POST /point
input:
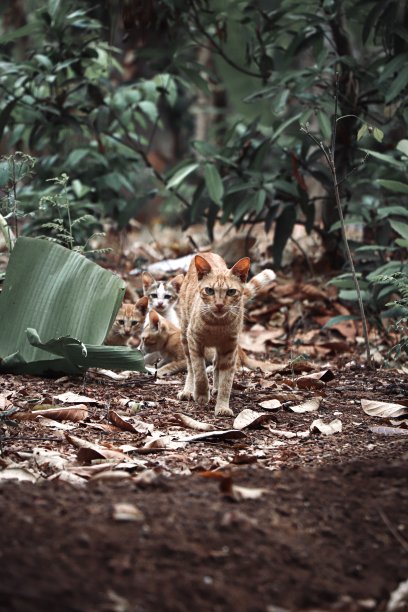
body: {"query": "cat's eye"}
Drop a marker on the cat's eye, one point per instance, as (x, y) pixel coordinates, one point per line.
(209, 291)
(134, 322)
(121, 322)
(167, 296)
(153, 295)
(231, 291)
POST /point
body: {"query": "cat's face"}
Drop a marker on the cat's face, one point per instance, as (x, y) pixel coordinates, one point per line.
(162, 295)
(130, 318)
(221, 292)
(155, 333)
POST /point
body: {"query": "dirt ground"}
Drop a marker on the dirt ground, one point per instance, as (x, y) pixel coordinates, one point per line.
(258, 522)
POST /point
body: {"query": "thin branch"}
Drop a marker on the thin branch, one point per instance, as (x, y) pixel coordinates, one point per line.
(334, 128)
(220, 51)
(403, 543)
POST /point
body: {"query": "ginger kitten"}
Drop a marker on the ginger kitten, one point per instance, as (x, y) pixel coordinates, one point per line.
(163, 340)
(128, 323)
(163, 296)
(212, 311)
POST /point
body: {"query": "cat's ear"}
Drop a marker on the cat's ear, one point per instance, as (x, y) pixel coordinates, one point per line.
(241, 268)
(154, 319)
(142, 304)
(176, 282)
(147, 281)
(202, 266)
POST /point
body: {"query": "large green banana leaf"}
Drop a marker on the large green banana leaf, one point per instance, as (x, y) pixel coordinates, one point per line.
(56, 309)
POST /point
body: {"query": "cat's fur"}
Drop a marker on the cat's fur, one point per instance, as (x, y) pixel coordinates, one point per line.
(257, 282)
(212, 312)
(128, 323)
(163, 295)
(163, 339)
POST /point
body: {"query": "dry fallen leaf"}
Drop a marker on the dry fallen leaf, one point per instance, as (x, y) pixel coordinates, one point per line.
(215, 436)
(18, 473)
(187, 421)
(327, 429)
(271, 404)
(386, 410)
(127, 512)
(290, 434)
(389, 431)
(309, 406)
(54, 424)
(250, 418)
(238, 493)
(120, 422)
(73, 413)
(71, 398)
(306, 382)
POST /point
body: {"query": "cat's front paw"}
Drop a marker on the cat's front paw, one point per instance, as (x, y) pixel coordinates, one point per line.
(185, 394)
(223, 411)
(202, 398)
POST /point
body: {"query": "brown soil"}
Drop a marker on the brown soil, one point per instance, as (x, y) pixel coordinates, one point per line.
(328, 532)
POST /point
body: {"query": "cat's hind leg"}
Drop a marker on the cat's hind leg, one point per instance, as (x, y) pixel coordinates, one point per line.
(188, 390)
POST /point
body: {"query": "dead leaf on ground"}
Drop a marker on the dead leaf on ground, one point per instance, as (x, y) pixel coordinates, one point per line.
(71, 398)
(304, 382)
(44, 422)
(50, 458)
(389, 431)
(255, 340)
(250, 418)
(187, 421)
(386, 410)
(309, 406)
(5, 403)
(124, 511)
(113, 375)
(327, 429)
(336, 346)
(238, 493)
(111, 475)
(290, 434)
(18, 473)
(120, 422)
(297, 366)
(89, 451)
(271, 404)
(163, 443)
(324, 375)
(216, 435)
(69, 477)
(73, 413)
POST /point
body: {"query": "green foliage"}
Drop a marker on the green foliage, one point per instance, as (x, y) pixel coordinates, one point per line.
(59, 307)
(275, 65)
(64, 102)
(397, 309)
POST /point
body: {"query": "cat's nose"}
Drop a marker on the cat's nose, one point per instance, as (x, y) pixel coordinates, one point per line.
(219, 307)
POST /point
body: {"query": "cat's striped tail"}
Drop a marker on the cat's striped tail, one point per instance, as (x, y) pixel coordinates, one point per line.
(257, 282)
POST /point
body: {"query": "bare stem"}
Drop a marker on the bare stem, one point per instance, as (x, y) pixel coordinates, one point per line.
(329, 154)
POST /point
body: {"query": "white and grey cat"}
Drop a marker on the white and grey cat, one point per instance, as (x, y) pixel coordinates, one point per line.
(163, 296)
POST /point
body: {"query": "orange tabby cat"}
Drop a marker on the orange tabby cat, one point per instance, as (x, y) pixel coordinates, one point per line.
(212, 311)
(128, 323)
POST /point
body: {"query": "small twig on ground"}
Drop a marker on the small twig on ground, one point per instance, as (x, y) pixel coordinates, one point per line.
(403, 543)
